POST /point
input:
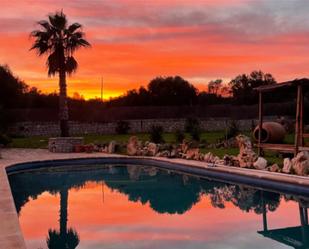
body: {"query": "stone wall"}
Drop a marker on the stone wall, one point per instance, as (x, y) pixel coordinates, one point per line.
(136, 126)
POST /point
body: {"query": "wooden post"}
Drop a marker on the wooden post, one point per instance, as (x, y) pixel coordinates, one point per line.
(303, 224)
(265, 226)
(297, 123)
(260, 122)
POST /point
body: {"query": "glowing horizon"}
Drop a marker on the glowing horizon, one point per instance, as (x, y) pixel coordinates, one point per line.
(134, 41)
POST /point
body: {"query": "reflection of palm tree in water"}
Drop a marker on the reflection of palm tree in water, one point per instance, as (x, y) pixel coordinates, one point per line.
(64, 238)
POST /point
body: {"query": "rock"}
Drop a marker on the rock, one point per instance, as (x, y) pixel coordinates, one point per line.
(111, 147)
(151, 149)
(193, 153)
(209, 157)
(274, 168)
(173, 153)
(287, 165)
(301, 168)
(164, 153)
(133, 146)
(184, 146)
(260, 163)
(230, 161)
(299, 164)
(246, 156)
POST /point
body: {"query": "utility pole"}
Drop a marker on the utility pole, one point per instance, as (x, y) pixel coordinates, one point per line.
(102, 89)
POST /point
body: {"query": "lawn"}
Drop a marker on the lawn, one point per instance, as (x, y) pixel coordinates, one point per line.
(209, 137)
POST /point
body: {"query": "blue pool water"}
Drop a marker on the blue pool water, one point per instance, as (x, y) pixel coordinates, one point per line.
(117, 206)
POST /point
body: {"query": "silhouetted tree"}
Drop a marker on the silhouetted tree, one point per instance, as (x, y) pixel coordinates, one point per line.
(12, 89)
(172, 91)
(214, 86)
(59, 41)
(242, 86)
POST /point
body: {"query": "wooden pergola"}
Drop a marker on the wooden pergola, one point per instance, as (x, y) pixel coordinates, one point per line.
(299, 85)
(296, 237)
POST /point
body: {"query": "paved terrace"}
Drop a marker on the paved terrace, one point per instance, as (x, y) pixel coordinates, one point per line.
(10, 232)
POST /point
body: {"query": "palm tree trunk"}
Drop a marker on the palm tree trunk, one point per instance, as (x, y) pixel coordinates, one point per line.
(64, 193)
(63, 104)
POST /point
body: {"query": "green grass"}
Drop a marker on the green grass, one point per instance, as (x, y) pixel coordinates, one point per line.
(209, 137)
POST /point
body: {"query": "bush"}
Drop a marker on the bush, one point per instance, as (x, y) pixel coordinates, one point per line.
(5, 140)
(232, 130)
(156, 134)
(122, 127)
(192, 124)
(180, 136)
(195, 134)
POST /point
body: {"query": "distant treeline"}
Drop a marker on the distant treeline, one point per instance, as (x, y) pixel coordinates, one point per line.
(164, 97)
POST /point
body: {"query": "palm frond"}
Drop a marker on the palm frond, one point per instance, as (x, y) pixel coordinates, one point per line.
(73, 27)
(58, 20)
(71, 65)
(40, 46)
(52, 63)
(44, 24)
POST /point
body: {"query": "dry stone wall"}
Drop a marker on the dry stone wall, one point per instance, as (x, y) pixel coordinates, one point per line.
(136, 126)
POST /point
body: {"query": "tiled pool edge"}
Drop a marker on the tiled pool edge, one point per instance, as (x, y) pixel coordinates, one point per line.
(10, 233)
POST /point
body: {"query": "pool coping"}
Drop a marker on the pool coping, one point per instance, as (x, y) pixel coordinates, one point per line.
(10, 232)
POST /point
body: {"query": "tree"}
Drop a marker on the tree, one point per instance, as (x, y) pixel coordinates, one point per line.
(172, 91)
(59, 41)
(12, 89)
(242, 86)
(214, 86)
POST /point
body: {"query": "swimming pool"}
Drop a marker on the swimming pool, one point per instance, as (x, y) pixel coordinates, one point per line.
(135, 206)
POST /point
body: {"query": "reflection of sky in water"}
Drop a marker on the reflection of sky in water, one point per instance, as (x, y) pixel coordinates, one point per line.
(104, 217)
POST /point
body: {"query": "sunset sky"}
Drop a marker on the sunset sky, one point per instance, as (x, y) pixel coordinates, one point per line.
(135, 41)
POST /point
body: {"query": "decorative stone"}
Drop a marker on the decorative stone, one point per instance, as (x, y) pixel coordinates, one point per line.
(64, 144)
(151, 149)
(209, 157)
(301, 168)
(111, 147)
(133, 146)
(260, 163)
(164, 153)
(246, 154)
(230, 161)
(287, 165)
(274, 168)
(193, 154)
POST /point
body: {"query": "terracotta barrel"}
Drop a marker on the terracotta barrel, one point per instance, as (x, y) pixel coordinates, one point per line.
(272, 132)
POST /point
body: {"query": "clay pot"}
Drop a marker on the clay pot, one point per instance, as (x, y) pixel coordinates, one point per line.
(272, 132)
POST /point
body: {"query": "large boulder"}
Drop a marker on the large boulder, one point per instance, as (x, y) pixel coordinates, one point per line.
(274, 168)
(260, 163)
(193, 154)
(133, 146)
(111, 147)
(287, 166)
(230, 161)
(150, 149)
(246, 156)
(300, 163)
(301, 168)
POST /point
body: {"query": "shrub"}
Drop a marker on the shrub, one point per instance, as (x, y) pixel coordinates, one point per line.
(180, 136)
(195, 133)
(232, 130)
(156, 134)
(5, 140)
(122, 127)
(192, 124)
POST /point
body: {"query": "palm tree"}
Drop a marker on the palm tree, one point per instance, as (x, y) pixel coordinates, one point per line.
(64, 238)
(59, 41)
